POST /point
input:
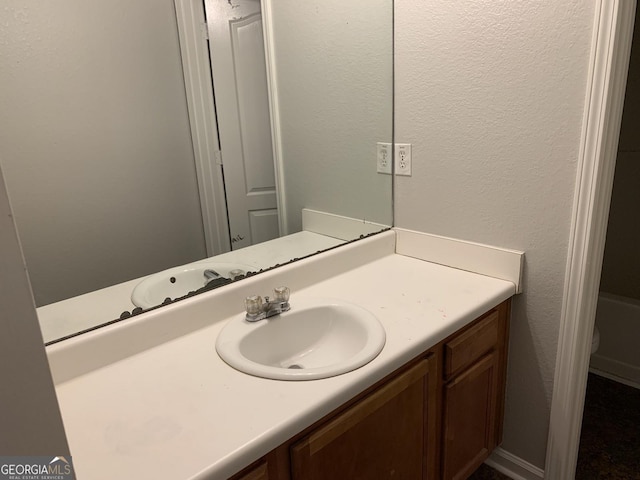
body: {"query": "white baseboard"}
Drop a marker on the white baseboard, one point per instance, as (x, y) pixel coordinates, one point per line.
(337, 226)
(512, 466)
(487, 260)
(614, 370)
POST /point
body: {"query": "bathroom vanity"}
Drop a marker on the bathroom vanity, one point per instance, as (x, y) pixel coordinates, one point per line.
(151, 398)
(438, 416)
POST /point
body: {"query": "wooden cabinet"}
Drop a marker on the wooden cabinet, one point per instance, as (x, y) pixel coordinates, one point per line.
(386, 435)
(438, 417)
(473, 393)
(257, 471)
(468, 425)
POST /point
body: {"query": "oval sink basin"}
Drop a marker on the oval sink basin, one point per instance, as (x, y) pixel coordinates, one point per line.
(317, 338)
(178, 282)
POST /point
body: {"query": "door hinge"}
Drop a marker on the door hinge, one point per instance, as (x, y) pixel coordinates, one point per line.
(205, 30)
(217, 157)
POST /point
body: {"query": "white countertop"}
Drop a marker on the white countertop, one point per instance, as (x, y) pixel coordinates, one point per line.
(176, 410)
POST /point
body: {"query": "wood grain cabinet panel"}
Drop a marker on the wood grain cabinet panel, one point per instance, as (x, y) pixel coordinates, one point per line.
(470, 402)
(469, 346)
(384, 436)
(255, 472)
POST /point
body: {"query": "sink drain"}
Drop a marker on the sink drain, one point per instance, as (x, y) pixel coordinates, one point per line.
(295, 366)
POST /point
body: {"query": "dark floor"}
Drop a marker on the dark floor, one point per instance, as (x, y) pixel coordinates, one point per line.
(487, 473)
(610, 440)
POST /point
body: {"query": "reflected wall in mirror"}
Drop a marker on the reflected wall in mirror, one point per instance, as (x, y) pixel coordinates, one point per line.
(122, 161)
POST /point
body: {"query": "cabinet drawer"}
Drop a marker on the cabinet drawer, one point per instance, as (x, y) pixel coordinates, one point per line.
(472, 344)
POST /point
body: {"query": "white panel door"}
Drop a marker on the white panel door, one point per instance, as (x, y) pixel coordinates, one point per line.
(242, 104)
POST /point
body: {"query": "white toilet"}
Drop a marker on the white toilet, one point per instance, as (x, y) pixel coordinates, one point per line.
(595, 343)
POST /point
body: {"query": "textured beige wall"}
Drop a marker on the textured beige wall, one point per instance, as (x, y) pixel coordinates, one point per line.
(621, 267)
(492, 95)
(95, 143)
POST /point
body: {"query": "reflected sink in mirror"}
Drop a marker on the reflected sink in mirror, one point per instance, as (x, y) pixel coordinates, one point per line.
(317, 338)
(180, 281)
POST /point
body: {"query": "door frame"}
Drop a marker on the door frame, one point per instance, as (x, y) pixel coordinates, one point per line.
(609, 62)
(276, 134)
(192, 31)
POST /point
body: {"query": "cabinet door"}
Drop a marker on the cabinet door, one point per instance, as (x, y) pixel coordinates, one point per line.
(385, 435)
(470, 402)
(258, 472)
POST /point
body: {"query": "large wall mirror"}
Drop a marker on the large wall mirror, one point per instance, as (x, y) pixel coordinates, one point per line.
(153, 147)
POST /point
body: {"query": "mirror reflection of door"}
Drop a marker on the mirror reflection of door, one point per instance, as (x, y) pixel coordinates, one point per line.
(238, 67)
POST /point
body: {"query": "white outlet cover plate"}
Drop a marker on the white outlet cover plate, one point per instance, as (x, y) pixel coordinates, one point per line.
(403, 159)
(384, 158)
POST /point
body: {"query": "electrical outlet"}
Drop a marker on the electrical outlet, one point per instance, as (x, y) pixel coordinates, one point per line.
(384, 158)
(403, 159)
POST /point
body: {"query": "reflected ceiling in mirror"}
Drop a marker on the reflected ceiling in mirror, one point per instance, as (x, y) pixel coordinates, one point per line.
(121, 160)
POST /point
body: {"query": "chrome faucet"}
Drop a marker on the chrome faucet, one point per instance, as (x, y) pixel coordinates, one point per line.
(259, 310)
(210, 274)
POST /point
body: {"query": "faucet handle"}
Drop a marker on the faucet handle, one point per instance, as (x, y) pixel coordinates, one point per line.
(281, 294)
(253, 304)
